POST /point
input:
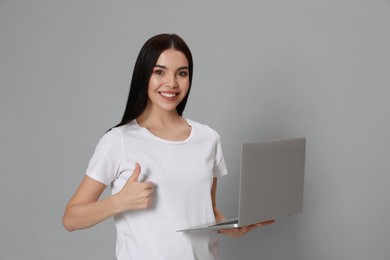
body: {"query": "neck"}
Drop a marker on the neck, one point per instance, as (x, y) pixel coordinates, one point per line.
(168, 125)
(154, 118)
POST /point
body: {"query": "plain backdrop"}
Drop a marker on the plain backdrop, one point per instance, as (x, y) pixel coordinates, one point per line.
(263, 69)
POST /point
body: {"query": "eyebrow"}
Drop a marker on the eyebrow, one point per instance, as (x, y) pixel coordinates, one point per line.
(164, 67)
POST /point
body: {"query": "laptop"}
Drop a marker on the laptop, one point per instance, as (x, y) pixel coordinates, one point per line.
(271, 182)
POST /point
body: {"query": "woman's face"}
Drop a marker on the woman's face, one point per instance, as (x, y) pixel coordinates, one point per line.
(169, 82)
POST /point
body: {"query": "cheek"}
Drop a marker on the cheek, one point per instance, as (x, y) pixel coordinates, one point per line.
(153, 84)
(185, 85)
(186, 90)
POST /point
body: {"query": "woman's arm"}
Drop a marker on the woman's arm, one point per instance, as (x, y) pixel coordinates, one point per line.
(218, 215)
(84, 210)
(232, 232)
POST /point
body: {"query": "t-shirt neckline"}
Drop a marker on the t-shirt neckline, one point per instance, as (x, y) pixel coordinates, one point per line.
(155, 137)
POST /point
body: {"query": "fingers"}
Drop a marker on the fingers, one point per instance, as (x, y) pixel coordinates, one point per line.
(265, 223)
(135, 176)
(144, 198)
(149, 186)
(136, 194)
(136, 173)
(240, 231)
(234, 232)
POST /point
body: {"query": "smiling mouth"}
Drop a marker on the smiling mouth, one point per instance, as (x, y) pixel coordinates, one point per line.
(168, 95)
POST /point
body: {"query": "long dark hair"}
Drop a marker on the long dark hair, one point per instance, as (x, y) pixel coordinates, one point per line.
(143, 68)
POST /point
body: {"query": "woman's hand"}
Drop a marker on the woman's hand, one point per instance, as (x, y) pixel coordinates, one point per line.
(85, 210)
(232, 232)
(240, 231)
(136, 195)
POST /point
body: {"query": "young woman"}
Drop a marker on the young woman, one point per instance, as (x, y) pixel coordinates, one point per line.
(162, 167)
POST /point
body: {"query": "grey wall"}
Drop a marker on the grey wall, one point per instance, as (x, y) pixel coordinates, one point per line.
(263, 69)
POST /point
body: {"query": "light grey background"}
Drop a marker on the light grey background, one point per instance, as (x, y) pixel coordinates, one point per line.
(263, 69)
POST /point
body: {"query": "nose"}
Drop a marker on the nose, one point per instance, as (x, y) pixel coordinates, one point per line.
(171, 81)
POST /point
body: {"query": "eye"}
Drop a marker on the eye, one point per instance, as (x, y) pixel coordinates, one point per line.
(182, 73)
(158, 72)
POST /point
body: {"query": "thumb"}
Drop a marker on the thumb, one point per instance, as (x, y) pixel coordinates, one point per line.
(136, 173)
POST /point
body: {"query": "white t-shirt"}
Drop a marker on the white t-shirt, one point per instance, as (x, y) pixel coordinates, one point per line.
(182, 172)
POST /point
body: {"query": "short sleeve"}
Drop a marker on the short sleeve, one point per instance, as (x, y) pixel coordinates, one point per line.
(105, 162)
(220, 168)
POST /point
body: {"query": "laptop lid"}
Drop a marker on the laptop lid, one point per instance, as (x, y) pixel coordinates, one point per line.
(271, 182)
(272, 178)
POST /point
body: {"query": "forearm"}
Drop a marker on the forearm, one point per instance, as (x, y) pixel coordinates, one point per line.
(85, 215)
(218, 215)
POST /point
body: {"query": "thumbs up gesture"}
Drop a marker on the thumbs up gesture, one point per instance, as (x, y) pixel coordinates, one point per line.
(136, 195)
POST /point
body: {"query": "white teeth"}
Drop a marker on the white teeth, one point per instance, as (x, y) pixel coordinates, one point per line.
(167, 94)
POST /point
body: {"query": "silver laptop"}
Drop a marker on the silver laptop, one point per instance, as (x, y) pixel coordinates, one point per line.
(271, 182)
